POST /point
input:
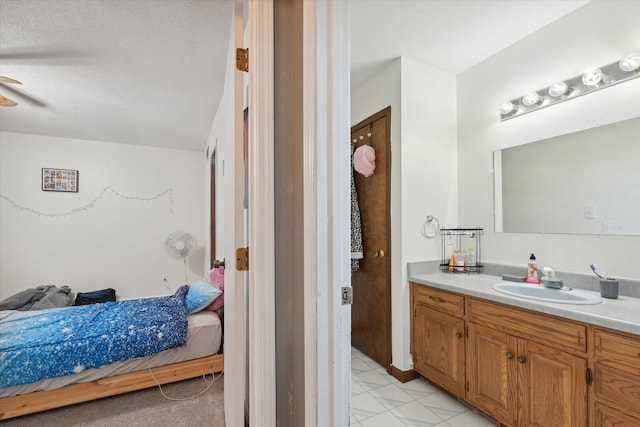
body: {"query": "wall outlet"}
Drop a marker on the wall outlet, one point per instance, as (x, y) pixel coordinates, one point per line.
(166, 282)
(590, 212)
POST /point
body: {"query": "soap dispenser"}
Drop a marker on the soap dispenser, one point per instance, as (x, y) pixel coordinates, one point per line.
(532, 270)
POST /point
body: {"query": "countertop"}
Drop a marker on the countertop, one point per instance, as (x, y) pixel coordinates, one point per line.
(622, 314)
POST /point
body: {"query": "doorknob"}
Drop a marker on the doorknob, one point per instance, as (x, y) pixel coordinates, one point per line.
(218, 263)
(380, 253)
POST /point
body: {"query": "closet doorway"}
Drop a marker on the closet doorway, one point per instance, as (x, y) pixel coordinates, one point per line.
(371, 309)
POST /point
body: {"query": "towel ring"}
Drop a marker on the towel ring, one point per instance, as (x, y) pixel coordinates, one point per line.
(425, 227)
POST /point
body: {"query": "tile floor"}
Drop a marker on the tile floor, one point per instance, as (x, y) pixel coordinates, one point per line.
(379, 400)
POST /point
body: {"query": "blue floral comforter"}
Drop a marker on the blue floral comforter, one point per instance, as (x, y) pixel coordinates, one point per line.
(35, 345)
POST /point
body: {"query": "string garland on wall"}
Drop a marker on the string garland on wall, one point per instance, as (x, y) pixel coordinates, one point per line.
(92, 204)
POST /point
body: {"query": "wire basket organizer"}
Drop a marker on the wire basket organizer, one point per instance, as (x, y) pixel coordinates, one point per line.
(459, 241)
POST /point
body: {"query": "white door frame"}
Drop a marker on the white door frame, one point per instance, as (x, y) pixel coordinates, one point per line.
(260, 317)
(326, 133)
(326, 217)
(261, 217)
(235, 312)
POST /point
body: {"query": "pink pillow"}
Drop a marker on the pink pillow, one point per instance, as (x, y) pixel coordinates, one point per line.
(216, 277)
(364, 160)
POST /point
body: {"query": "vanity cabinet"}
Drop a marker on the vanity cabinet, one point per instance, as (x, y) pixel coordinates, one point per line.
(526, 369)
(437, 344)
(520, 367)
(616, 379)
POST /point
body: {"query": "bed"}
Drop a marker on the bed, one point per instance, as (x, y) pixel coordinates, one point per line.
(194, 342)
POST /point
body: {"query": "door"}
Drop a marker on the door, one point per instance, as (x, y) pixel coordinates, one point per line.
(212, 206)
(371, 309)
(439, 348)
(230, 188)
(492, 372)
(553, 387)
(249, 379)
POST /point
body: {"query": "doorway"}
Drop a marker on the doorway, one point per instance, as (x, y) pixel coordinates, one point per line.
(371, 282)
(212, 207)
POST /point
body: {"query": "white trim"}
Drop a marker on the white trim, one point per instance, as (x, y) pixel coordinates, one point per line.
(235, 326)
(327, 220)
(497, 191)
(261, 219)
(339, 123)
(313, 164)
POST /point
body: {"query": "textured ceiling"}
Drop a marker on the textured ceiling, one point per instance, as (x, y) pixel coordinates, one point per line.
(151, 72)
(144, 72)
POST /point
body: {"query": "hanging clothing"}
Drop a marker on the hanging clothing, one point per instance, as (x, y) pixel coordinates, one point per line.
(364, 160)
(357, 251)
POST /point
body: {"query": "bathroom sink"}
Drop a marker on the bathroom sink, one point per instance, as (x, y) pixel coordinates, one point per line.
(540, 293)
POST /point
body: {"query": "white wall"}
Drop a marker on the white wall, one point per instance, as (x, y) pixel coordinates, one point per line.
(429, 176)
(595, 35)
(115, 243)
(423, 170)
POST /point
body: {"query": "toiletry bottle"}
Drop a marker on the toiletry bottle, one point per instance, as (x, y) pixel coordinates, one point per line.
(471, 257)
(451, 262)
(532, 270)
(459, 259)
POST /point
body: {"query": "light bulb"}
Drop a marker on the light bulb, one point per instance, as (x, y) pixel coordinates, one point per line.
(630, 62)
(592, 77)
(506, 108)
(530, 99)
(558, 89)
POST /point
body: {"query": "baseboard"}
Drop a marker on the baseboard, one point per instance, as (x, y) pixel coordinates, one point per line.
(403, 376)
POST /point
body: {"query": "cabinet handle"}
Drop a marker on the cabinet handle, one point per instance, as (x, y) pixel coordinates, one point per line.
(509, 355)
(521, 359)
(436, 299)
(458, 335)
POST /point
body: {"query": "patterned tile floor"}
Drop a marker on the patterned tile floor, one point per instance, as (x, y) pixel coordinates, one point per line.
(379, 400)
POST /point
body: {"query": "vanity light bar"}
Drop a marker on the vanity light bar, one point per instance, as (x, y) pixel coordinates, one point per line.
(599, 78)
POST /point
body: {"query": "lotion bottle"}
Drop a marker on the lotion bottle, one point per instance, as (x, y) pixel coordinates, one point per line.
(532, 270)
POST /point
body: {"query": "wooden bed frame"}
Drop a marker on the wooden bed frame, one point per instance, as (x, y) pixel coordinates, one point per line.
(37, 401)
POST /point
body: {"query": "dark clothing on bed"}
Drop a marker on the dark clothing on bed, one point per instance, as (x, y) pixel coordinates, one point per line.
(40, 298)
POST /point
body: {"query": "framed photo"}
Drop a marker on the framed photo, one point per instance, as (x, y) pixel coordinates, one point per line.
(65, 180)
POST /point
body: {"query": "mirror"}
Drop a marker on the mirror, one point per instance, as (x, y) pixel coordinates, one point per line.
(586, 182)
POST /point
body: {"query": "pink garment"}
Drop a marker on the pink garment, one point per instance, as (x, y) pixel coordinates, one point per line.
(364, 160)
(216, 277)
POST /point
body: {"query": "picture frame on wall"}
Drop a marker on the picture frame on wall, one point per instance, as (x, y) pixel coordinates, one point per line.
(62, 180)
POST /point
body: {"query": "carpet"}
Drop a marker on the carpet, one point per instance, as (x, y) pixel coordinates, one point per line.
(140, 408)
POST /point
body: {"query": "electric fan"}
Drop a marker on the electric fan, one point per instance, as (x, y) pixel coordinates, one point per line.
(181, 245)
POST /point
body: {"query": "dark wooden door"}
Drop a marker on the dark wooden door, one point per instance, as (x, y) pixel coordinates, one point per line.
(371, 309)
(212, 221)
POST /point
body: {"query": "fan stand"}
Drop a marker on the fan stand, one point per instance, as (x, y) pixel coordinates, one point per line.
(186, 274)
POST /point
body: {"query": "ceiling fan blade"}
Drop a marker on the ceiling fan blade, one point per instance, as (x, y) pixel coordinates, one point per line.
(6, 102)
(4, 79)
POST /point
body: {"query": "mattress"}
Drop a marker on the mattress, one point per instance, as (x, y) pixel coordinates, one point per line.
(204, 337)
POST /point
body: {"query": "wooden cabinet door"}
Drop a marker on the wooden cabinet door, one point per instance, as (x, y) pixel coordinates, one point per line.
(439, 348)
(552, 387)
(609, 417)
(492, 373)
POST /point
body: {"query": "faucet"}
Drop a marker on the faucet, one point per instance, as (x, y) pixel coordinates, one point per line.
(549, 279)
